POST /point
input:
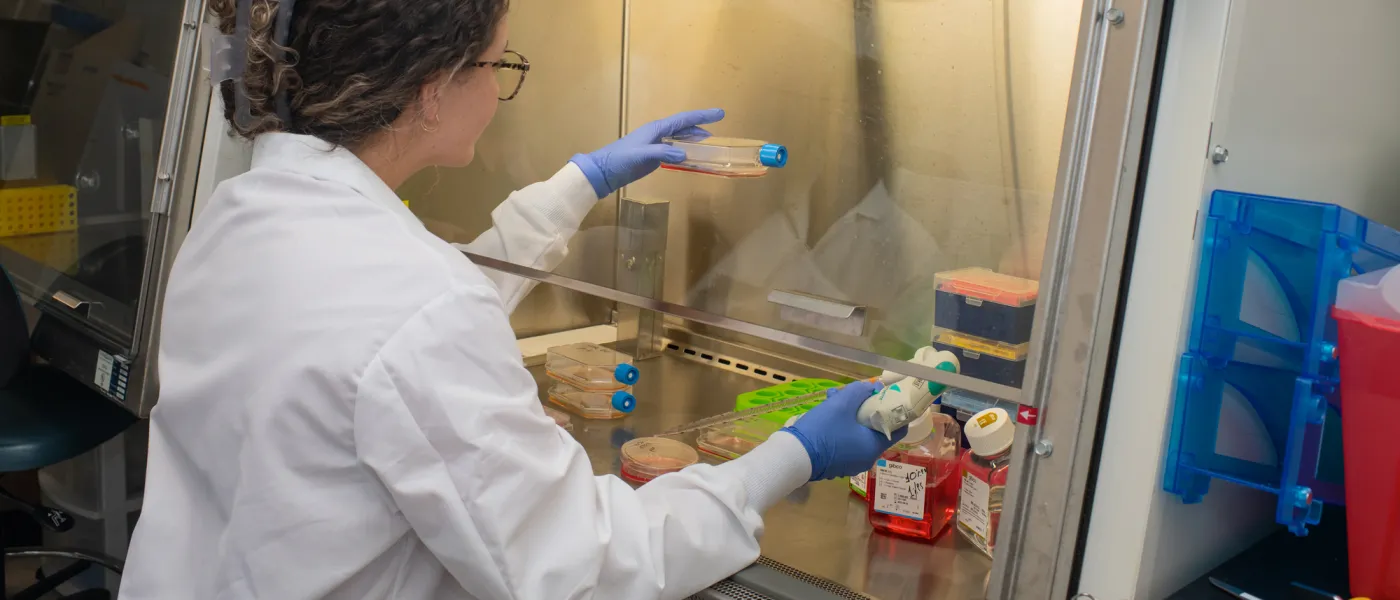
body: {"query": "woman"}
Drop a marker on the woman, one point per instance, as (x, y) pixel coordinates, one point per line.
(343, 411)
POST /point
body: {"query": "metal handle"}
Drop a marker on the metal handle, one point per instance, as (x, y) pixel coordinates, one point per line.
(817, 311)
(77, 305)
(817, 304)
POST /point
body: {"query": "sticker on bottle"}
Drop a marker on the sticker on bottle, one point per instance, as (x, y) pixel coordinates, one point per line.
(974, 511)
(858, 483)
(899, 489)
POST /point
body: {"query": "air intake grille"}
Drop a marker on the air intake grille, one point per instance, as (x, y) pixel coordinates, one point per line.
(825, 584)
(730, 590)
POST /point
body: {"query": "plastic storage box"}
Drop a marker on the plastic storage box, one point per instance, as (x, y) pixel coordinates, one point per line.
(31, 210)
(1367, 349)
(1262, 338)
(985, 359)
(986, 304)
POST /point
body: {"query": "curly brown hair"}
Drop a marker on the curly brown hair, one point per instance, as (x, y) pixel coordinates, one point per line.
(352, 67)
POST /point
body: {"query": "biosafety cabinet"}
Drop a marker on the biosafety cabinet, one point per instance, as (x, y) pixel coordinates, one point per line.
(932, 146)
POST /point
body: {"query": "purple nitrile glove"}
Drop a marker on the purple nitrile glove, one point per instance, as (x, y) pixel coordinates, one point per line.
(838, 445)
(641, 152)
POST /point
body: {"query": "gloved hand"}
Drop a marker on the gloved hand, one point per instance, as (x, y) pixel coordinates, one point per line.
(836, 443)
(641, 152)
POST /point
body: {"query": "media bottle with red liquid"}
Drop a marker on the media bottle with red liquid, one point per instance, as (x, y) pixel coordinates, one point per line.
(912, 491)
(983, 475)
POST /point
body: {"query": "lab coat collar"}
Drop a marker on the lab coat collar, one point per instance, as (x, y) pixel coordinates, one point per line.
(311, 156)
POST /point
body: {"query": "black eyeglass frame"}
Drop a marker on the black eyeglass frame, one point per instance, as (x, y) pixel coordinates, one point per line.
(523, 66)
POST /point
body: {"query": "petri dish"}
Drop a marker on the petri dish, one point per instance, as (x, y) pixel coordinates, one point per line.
(590, 404)
(560, 418)
(645, 459)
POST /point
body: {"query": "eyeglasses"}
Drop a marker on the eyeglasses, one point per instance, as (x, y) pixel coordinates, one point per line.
(510, 73)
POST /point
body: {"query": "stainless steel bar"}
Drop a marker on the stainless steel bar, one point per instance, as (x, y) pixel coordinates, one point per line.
(185, 76)
(177, 214)
(815, 345)
(1045, 497)
(641, 270)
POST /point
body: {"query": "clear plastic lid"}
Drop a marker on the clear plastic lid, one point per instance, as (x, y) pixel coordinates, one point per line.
(645, 459)
(732, 440)
(591, 366)
(1376, 293)
(984, 346)
(560, 418)
(590, 404)
(989, 285)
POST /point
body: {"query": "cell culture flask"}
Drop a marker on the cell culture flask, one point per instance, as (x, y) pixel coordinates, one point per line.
(727, 157)
(592, 381)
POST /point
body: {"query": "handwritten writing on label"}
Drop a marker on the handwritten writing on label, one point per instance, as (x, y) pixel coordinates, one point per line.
(900, 489)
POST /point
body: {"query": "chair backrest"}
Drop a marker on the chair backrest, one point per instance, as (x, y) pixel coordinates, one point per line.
(14, 331)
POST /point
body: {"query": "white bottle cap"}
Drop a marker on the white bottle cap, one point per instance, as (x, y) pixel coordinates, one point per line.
(921, 428)
(990, 432)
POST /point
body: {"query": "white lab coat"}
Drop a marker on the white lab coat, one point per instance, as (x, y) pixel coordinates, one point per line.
(344, 414)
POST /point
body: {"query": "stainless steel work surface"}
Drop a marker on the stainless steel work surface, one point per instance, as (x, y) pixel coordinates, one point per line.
(821, 528)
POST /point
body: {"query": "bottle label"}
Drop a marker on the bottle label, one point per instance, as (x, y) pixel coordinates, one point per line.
(858, 483)
(899, 489)
(975, 511)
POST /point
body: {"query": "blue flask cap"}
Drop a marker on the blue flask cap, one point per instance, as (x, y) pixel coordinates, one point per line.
(627, 374)
(623, 402)
(773, 155)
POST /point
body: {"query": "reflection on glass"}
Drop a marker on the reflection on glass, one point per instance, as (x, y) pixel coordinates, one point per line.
(923, 136)
(567, 104)
(88, 84)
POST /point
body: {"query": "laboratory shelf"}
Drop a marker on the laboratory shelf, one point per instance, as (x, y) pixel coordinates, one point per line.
(821, 529)
(1263, 338)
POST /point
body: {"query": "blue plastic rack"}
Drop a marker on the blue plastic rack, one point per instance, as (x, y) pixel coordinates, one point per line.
(1297, 251)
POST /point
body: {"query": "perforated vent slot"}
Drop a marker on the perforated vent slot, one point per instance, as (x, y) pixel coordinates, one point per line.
(825, 584)
(729, 590)
(729, 363)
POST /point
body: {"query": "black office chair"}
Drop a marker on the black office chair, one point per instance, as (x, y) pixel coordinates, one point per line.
(47, 417)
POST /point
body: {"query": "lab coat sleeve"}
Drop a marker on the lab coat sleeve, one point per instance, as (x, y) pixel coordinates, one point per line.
(451, 423)
(532, 228)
